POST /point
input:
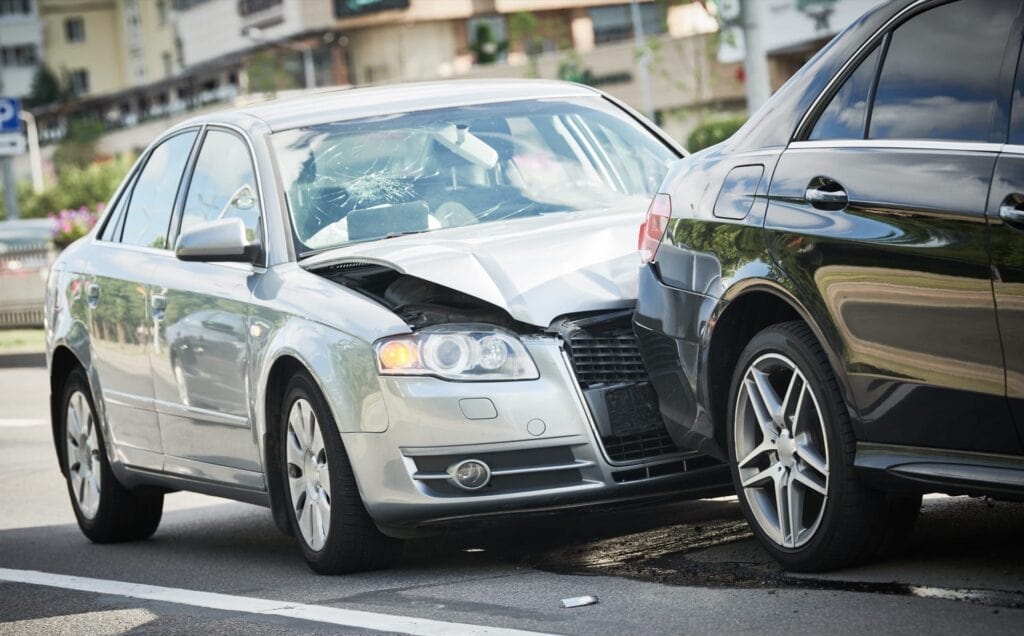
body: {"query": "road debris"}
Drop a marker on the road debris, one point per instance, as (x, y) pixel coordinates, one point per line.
(578, 601)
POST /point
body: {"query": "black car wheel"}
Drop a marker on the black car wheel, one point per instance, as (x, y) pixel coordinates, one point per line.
(326, 512)
(106, 511)
(791, 449)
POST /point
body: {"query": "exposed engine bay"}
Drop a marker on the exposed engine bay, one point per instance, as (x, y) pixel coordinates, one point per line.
(420, 303)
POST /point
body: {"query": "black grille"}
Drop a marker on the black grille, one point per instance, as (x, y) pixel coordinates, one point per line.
(609, 357)
(623, 448)
(611, 372)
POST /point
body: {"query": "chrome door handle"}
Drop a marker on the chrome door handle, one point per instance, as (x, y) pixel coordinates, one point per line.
(92, 294)
(833, 198)
(159, 305)
(1012, 214)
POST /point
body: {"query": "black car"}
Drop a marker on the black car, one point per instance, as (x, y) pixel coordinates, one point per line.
(834, 300)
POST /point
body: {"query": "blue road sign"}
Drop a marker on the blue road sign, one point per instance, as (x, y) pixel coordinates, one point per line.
(9, 121)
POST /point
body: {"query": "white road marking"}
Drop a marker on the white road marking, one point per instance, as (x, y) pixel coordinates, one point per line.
(226, 602)
(20, 423)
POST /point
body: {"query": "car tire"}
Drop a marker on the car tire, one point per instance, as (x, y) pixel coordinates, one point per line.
(313, 456)
(829, 519)
(106, 511)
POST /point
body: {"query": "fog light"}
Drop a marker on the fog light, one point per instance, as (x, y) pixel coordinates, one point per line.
(470, 474)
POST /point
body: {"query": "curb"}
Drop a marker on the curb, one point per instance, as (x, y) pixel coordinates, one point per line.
(21, 360)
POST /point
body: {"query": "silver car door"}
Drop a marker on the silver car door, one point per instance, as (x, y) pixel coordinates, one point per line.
(116, 293)
(200, 347)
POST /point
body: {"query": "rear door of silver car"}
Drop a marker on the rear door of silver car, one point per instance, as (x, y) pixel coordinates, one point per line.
(132, 244)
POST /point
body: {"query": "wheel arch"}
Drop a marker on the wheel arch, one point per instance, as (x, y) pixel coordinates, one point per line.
(746, 309)
(284, 367)
(63, 362)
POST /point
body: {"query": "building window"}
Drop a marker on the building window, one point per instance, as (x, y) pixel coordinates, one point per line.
(161, 12)
(15, 7)
(79, 79)
(249, 7)
(168, 63)
(74, 29)
(20, 55)
(615, 23)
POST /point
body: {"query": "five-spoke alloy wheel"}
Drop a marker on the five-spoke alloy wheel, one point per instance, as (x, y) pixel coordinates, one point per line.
(791, 448)
(781, 439)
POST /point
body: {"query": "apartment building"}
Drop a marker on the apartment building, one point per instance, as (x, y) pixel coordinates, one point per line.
(21, 46)
(222, 49)
(105, 46)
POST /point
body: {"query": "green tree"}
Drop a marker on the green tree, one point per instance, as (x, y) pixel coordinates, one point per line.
(486, 49)
(712, 132)
(46, 89)
(78, 150)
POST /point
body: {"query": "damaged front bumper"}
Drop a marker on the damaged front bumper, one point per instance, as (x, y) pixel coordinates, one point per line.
(540, 440)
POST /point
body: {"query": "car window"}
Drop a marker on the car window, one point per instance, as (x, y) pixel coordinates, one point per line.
(941, 75)
(113, 227)
(427, 171)
(846, 115)
(152, 201)
(223, 184)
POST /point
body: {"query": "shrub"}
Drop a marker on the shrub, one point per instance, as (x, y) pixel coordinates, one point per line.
(75, 188)
(712, 132)
(71, 225)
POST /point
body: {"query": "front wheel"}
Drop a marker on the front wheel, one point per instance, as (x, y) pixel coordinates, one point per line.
(792, 448)
(326, 511)
(106, 511)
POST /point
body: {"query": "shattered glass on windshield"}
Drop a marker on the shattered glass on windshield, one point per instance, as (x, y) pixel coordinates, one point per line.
(417, 172)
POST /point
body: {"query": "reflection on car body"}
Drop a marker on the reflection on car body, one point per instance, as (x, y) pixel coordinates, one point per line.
(375, 311)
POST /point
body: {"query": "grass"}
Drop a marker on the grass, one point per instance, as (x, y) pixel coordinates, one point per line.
(22, 340)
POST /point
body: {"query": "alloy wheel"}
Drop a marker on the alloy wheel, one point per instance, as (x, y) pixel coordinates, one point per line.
(781, 450)
(309, 478)
(83, 454)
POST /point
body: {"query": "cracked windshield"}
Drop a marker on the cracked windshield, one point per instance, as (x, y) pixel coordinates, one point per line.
(377, 178)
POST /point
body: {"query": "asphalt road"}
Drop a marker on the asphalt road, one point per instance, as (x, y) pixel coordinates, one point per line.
(679, 568)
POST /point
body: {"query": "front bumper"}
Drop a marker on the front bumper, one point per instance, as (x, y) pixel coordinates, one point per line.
(538, 438)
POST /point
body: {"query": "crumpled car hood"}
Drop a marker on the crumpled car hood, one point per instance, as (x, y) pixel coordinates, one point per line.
(536, 269)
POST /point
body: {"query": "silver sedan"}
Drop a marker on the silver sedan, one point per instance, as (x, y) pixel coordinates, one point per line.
(376, 311)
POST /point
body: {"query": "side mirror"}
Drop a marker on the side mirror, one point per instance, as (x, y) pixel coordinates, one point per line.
(220, 241)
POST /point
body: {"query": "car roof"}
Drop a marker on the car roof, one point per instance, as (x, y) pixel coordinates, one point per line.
(354, 103)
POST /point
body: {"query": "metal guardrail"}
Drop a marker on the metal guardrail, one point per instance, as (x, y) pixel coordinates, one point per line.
(23, 271)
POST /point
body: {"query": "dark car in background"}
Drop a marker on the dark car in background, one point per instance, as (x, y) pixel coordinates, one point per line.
(834, 302)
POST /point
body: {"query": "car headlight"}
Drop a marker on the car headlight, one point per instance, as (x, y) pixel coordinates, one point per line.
(457, 352)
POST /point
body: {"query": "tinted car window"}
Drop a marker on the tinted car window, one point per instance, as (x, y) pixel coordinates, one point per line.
(152, 201)
(846, 114)
(223, 184)
(941, 76)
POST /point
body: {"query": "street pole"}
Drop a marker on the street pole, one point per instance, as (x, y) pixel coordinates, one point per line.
(758, 84)
(34, 157)
(307, 67)
(643, 70)
(10, 189)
